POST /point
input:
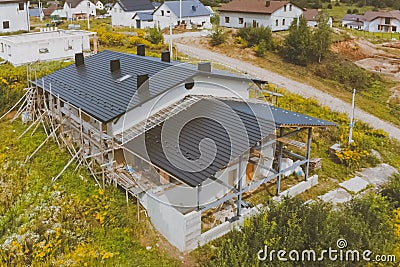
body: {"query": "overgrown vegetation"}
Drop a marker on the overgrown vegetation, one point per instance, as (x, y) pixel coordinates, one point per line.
(68, 223)
(218, 36)
(302, 46)
(366, 223)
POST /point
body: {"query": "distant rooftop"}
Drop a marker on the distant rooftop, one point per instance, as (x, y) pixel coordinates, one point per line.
(43, 36)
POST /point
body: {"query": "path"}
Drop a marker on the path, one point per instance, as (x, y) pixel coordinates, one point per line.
(292, 86)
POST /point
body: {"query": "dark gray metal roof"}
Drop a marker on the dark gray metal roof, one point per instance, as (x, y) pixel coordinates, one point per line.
(136, 5)
(189, 8)
(232, 134)
(281, 117)
(219, 120)
(93, 88)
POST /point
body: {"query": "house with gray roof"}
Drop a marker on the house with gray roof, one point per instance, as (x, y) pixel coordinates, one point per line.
(189, 12)
(353, 21)
(123, 11)
(185, 140)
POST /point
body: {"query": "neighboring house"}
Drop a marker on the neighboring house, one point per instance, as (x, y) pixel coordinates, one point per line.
(36, 12)
(99, 5)
(79, 9)
(44, 46)
(50, 9)
(353, 21)
(278, 15)
(58, 14)
(381, 21)
(143, 20)
(126, 119)
(14, 15)
(123, 11)
(193, 12)
(312, 16)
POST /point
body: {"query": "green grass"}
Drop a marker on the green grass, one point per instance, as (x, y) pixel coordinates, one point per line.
(338, 12)
(72, 220)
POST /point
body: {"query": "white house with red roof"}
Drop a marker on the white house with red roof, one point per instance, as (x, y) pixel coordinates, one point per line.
(278, 15)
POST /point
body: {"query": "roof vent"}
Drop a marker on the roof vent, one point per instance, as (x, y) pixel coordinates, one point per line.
(267, 3)
(194, 8)
(141, 50)
(165, 56)
(204, 66)
(115, 65)
(143, 90)
(79, 59)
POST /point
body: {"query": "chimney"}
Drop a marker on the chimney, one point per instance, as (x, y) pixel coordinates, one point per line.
(143, 90)
(141, 50)
(267, 3)
(204, 66)
(165, 56)
(79, 59)
(193, 8)
(115, 65)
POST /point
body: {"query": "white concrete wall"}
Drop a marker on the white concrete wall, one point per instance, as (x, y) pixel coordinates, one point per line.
(18, 19)
(99, 5)
(145, 24)
(84, 7)
(163, 19)
(64, 46)
(121, 18)
(284, 18)
(261, 19)
(182, 231)
(265, 20)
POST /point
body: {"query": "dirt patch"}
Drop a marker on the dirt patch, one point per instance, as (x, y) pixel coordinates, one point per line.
(350, 50)
(382, 65)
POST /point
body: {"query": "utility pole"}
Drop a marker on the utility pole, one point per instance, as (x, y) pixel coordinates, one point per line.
(88, 15)
(40, 11)
(170, 37)
(352, 118)
(180, 12)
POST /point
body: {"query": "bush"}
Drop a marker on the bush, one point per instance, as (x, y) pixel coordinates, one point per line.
(260, 48)
(329, 6)
(154, 36)
(355, 11)
(218, 36)
(349, 11)
(254, 36)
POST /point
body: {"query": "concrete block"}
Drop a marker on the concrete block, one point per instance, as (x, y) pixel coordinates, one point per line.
(355, 184)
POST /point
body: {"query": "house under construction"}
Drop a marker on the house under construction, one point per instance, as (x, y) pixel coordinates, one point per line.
(182, 139)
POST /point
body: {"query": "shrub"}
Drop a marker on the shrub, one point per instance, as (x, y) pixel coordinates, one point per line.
(253, 36)
(355, 11)
(329, 6)
(260, 48)
(154, 36)
(218, 36)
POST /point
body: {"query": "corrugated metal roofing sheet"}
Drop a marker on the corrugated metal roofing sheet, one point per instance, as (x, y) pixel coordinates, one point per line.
(281, 117)
(93, 88)
(232, 133)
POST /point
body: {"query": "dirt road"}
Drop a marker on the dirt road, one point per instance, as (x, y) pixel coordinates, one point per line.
(291, 86)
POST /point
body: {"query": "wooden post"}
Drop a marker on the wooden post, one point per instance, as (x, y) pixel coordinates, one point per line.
(309, 139)
(280, 152)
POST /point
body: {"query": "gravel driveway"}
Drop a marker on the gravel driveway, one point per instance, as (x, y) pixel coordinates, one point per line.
(291, 86)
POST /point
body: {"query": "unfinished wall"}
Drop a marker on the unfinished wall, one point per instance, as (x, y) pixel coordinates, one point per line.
(182, 231)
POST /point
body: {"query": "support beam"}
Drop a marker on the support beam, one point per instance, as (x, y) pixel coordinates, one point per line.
(309, 139)
(280, 152)
(239, 187)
